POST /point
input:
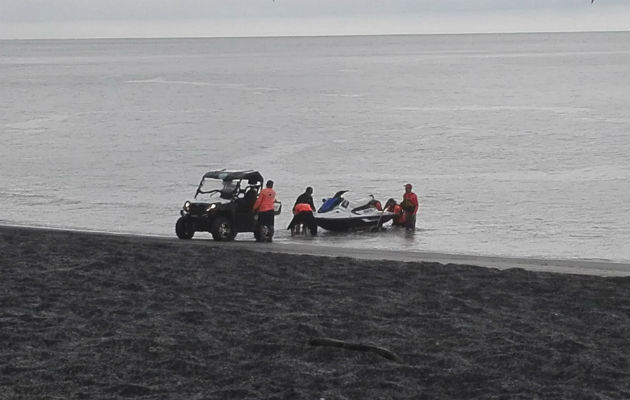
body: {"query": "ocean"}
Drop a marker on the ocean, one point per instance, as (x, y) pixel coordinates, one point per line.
(516, 144)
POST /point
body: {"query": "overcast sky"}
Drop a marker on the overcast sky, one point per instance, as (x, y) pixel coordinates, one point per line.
(181, 18)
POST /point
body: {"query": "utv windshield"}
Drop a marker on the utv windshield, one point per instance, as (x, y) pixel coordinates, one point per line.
(213, 190)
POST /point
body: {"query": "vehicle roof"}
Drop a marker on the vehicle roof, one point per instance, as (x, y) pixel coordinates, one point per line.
(234, 175)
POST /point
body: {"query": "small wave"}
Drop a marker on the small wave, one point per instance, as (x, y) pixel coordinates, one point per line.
(546, 54)
(265, 89)
(189, 83)
(343, 95)
(37, 123)
(606, 120)
(38, 199)
(255, 89)
(479, 108)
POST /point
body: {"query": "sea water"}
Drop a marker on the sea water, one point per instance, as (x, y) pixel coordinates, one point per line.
(516, 144)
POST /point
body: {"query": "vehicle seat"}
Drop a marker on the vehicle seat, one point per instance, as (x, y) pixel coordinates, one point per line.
(248, 200)
(227, 192)
(227, 195)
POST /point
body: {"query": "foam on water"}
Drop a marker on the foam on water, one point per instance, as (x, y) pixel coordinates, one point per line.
(518, 145)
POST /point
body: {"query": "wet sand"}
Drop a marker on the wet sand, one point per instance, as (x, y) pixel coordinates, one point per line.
(89, 315)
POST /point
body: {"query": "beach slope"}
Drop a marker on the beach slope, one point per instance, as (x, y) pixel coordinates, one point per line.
(102, 316)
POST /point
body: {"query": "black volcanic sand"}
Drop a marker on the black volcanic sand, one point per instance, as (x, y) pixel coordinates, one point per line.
(109, 317)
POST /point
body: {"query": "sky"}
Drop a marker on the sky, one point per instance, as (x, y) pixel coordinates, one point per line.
(48, 19)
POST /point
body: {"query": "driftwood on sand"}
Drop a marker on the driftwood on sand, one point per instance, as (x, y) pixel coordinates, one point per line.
(354, 346)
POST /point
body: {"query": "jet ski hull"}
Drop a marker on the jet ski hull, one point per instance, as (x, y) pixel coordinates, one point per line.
(354, 223)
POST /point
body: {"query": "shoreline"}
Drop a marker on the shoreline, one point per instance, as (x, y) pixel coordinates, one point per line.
(565, 266)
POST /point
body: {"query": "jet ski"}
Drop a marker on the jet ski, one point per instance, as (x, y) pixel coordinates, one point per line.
(341, 214)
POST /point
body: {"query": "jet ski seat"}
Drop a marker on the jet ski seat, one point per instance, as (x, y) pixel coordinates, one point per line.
(370, 204)
(330, 204)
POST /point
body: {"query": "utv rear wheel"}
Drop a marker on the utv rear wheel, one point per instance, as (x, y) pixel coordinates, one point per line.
(185, 228)
(221, 230)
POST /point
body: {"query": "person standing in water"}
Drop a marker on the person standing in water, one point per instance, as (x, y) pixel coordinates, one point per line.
(264, 207)
(410, 207)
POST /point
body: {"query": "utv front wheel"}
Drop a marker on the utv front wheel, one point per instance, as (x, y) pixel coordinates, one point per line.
(221, 230)
(184, 228)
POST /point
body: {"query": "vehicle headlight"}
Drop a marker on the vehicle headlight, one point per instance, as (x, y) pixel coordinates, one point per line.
(187, 206)
(211, 207)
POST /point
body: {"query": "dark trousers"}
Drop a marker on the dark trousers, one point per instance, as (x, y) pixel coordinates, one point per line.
(306, 218)
(410, 222)
(266, 218)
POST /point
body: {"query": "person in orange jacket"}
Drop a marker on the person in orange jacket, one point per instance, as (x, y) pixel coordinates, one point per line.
(399, 215)
(410, 208)
(303, 214)
(264, 205)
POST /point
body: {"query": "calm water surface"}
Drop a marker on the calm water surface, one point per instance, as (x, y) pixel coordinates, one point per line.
(517, 145)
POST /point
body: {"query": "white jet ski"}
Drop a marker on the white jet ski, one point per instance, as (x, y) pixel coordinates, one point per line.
(340, 214)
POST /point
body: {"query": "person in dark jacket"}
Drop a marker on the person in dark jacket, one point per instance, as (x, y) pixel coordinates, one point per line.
(306, 197)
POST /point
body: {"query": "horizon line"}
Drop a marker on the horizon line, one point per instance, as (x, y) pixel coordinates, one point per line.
(147, 37)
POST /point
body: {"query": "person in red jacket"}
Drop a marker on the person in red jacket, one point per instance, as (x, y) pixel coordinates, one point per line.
(399, 215)
(264, 206)
(410, 208)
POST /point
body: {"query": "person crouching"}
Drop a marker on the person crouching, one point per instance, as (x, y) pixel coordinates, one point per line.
(399, 215)
(303, 215)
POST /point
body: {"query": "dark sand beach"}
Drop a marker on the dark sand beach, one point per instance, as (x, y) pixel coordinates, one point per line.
(97, 316)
